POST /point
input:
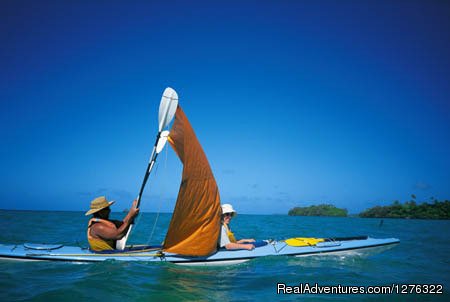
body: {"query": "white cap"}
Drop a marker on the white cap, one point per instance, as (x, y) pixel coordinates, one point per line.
(228, 208)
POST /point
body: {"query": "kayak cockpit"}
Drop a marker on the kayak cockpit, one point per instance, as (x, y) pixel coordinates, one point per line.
(132, 249)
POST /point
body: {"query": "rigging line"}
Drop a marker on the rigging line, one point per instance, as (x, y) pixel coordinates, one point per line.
(160, 200)
(138, 219)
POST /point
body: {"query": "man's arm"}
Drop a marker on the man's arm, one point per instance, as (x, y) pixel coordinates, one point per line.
(116, 233)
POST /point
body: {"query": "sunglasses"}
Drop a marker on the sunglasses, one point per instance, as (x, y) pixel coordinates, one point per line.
(228, 214)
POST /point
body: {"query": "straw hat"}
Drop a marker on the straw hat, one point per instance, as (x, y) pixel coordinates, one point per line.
(99, 204)
(228, 208)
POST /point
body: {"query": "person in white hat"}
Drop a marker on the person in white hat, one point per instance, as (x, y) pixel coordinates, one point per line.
(227, 239)
(102, 233)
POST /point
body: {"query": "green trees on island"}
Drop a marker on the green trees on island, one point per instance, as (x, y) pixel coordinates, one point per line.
(320, 210)
(410, 209)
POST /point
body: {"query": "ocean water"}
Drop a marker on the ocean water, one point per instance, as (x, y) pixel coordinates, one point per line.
(422, 257)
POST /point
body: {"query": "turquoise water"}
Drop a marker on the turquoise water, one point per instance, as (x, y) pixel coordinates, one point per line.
(421, 257)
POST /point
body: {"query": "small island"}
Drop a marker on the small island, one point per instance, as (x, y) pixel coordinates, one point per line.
(434, 209)
(410, 209)
(319, 210)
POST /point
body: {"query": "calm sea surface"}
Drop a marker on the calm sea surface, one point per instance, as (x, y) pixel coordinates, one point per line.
(422, 257)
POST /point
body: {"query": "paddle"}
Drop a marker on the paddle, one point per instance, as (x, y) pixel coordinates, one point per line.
(167, 108)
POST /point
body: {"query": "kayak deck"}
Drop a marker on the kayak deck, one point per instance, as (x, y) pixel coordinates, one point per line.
(30, 252)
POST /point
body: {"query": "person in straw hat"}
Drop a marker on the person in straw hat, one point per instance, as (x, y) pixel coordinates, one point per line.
(226, 238)
(102, 233)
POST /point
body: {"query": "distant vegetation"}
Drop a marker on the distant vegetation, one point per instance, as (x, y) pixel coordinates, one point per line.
(434, 209)
(410, 209)
(320, 210)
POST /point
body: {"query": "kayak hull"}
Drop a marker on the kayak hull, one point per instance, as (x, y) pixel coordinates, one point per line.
(36, 252)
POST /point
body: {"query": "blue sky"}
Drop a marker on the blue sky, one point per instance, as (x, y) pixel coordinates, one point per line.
(295, 102)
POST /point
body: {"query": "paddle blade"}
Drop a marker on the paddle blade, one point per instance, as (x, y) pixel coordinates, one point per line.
(167, 107)
(162, 141)
(301, 241)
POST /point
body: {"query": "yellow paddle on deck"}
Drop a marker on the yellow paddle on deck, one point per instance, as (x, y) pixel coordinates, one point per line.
(302, 241)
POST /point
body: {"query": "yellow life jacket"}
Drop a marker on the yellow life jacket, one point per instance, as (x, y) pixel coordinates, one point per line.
(230, 234)
(98, 244)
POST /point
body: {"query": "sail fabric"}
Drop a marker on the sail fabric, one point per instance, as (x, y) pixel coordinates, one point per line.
(195, 225)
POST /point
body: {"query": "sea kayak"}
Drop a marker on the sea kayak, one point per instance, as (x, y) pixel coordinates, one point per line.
(143, 253)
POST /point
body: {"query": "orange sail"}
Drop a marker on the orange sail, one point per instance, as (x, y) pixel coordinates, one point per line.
(195, 225)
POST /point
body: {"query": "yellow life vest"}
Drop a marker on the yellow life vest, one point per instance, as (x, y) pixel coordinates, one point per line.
(230, 234)
(98, 244)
